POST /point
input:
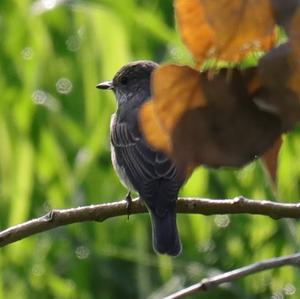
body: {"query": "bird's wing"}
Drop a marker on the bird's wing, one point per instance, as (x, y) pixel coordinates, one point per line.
(141, 163)
(155, 177)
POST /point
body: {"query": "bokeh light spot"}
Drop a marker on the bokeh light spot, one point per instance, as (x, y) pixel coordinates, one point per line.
(82, 252)
(64, 86)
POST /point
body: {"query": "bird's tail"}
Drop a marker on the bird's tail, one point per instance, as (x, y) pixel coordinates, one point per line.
(165, 234)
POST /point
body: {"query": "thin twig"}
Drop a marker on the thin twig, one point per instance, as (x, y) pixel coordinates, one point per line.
(239, 205)
(212, 282)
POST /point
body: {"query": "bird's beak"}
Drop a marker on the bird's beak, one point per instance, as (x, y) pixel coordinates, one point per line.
(105, 85)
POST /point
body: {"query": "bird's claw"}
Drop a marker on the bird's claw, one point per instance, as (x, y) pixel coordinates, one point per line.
(129, 202)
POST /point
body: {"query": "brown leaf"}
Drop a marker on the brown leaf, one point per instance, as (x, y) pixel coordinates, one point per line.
(155, 134)
(283, 11)
(196, 33)
(214, 122)
(294, 34)
(276, 72)
(231, 130)
(225, 29)
(270, 159)
(176, 90)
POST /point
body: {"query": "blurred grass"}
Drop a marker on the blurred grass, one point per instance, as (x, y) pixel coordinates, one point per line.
(54, 152)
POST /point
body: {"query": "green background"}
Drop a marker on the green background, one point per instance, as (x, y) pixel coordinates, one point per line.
(54, 153)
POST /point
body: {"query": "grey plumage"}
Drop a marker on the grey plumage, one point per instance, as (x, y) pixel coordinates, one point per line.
(141, 168)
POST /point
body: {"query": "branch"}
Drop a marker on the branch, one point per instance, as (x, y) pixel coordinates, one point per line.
(209, 283)
(100, 212)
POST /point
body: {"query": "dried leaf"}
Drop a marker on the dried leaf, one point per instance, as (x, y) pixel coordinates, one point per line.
(225, 29)
(155, 134)
(234, 116)
(283, 11)
(270, 159)
(294, 34)
(214, 122)
(176, 89)
(195, 32)
(230, 131)
(276, 93)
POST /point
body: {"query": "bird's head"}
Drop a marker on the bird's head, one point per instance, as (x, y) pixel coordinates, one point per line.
(132, 81)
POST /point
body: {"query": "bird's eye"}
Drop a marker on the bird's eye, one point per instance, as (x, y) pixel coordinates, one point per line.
(124, 80)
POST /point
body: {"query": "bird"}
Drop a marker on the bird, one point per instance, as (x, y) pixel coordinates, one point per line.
(140, 167)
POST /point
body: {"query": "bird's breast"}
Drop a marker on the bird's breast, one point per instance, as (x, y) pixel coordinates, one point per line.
(119, 169)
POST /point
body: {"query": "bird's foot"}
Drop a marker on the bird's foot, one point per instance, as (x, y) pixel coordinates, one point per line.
(128, 199)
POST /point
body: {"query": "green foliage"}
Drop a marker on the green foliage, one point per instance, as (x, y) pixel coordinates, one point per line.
(54, 153)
